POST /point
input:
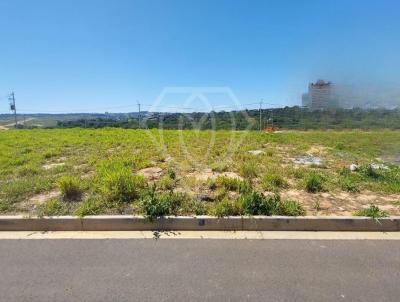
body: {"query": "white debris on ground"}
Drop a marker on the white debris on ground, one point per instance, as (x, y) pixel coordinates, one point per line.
(308, 160)
(377, 166)
(353, 167)
(256, 152)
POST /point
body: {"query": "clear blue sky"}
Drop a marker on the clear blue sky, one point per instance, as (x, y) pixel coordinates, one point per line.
(76, 55)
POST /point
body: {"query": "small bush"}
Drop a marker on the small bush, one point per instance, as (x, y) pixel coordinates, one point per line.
(373, 212)
(225, 208)
(249, 170)
(122, 186)
(70, 187)
(158, 205)
(52, 208)
(91, 207)
(273, 181)
(314, 183)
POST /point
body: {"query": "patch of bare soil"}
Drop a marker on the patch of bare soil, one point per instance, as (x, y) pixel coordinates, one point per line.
(52, 166)
(319, 150)
(152, 173)
(342, 203)
(206, 174)
(38, 199)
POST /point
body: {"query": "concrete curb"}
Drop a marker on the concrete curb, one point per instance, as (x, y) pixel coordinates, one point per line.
(199, 223)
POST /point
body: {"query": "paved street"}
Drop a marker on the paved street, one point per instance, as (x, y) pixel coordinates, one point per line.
(199, 270)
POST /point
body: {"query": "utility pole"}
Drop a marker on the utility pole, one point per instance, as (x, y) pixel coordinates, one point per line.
(11, 98)
(139, 115)
(260, 115)
(272, 117)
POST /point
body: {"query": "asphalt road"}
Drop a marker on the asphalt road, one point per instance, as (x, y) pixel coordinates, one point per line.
(199, 270)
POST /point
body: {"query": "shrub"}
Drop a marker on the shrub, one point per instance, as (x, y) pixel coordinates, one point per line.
(314, 183)
(373, 212)
(226, 208)
(91, 207)
(70, 187)
(273, 181)
(158, 205)
(52, 208)
(248, 170)
(122, 186)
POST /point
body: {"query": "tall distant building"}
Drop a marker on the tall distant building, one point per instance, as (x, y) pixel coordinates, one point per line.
(320, 96)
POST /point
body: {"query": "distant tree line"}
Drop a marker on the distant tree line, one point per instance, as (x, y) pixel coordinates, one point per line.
(285, 118)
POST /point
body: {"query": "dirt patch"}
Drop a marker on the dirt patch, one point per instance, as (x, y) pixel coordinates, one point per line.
(43, 197)
(152, 173)
(342, 203)
(52, 166)
(36, 200)
(317, 150)
(256, 152)
(206, 174)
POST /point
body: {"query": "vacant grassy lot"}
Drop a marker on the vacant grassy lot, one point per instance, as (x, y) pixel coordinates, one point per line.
(154, 172)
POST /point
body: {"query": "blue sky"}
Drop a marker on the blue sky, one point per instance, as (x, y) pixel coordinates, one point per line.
(72, 56)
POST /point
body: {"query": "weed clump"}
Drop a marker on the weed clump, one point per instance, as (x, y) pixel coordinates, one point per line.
(255, 203)
(156, 205)
(273, 181)
(314, 183)
(226, 208)
(290, 208)
(91, 206)
(349, 185)
(121, 186)
(53, 207)
(70, 187)
(373, 212)
(249, 170)
(231, 184)
(166, 183)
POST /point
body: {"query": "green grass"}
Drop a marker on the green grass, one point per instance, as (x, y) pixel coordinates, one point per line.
(273, 181)
(103, 164)
(70, 187)
(372, 212)
(52, 208)
(314, 183)
(93, 206)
